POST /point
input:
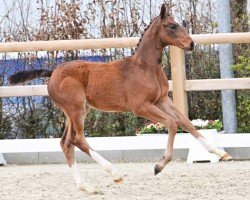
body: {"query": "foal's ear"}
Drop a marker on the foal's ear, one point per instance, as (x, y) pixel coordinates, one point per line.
(163, 11)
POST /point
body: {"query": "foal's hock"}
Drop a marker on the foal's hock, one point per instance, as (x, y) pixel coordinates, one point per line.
(135, 84)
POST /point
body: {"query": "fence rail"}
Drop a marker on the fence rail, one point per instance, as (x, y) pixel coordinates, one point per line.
(189, 85)
(221, 38)
(179, 85)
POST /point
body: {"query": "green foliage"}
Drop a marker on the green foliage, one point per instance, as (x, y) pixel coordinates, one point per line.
(151, 128)
(98, 124)
(214, 24)
(156, 128)
(5, 126)
(30, 125)
(242, 69)
(207, 124)
(243, 111)
(148, 130)
(216, 124)
(198, 123)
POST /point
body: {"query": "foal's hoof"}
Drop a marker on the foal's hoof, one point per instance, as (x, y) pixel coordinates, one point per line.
(226, 157)
(157, 169)
(89, 189)
(119, 181)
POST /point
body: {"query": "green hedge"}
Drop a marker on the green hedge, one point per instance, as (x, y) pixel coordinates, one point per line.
(242, 69)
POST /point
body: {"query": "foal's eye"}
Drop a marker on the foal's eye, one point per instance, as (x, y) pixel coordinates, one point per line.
(173, 26)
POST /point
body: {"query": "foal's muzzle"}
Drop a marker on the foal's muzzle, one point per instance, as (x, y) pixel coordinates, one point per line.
(192, 46)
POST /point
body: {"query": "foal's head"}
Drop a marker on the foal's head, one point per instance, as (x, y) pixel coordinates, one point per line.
(171, 33)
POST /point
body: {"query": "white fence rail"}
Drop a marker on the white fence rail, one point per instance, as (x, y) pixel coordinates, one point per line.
(55, 45)
(190, 85)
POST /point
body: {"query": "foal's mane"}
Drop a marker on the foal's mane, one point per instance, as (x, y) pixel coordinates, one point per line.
(145, 30)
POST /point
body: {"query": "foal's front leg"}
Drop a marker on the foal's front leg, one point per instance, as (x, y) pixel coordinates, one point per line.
(154, 113)
(185, 123)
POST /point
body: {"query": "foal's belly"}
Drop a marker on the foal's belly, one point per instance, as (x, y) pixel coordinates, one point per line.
(107, 102)
(105, 92)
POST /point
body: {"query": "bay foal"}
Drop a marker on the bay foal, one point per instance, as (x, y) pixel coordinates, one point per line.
(136, 84)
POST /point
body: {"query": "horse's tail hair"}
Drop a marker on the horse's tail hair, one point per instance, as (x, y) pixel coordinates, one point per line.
(27, 76)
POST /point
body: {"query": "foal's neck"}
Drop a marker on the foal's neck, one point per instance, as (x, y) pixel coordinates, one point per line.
(149, 51)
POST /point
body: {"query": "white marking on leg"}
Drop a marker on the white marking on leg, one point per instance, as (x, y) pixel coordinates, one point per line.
(105, 164)
(80, 184)
(210, 147)
(76, 174)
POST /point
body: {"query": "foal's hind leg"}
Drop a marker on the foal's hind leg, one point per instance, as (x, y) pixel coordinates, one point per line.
(186, 124)
(74, 105)
(79, 140)
(68, 149)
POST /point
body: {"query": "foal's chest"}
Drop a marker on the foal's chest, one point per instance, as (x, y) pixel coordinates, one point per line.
(163, 82)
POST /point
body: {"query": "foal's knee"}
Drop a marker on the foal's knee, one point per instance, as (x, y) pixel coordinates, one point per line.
(81, 143)
(172, 126)
(139, 111)
(65, 144)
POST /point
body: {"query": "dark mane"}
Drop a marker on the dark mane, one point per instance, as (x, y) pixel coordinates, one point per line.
(143, 34)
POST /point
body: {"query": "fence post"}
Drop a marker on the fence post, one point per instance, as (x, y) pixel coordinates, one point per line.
(226, 61)
(178, 72)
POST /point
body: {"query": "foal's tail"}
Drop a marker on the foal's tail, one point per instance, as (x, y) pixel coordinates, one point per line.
(26, 76)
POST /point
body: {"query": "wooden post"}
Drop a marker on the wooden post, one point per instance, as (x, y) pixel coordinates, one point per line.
(177, 58)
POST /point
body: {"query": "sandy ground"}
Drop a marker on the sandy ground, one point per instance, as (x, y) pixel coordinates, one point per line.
(225, 180)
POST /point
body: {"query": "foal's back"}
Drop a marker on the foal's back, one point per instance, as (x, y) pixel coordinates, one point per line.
(102, 84)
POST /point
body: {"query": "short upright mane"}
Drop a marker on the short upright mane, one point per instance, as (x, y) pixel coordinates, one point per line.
(143, 34)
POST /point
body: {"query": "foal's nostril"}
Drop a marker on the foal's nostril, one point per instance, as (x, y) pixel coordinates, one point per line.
(192, 45)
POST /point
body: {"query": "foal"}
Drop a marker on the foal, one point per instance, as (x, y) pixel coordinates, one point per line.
(136, 84)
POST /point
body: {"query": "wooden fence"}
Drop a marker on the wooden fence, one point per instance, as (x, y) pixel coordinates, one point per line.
(179, 85)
